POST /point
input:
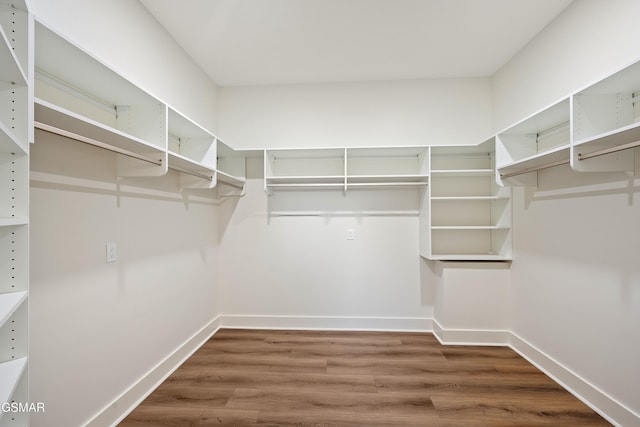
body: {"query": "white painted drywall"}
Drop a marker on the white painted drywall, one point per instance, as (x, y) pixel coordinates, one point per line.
(126, 37)
(304, 266)
(588, 41)
(576, 275)
(403, 112)
(98, 328)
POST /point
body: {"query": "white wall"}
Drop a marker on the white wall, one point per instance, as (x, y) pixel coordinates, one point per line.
(301, 271)
(95, 328)
(575, 275)
(404, 112)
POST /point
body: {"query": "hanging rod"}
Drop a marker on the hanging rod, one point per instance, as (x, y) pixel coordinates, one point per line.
(188, 172)
(608, 150)
(534, 169)
(57, 131)
(90, 141)
(230, 184)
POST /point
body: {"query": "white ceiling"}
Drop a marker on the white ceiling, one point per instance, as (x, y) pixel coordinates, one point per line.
(252, 42)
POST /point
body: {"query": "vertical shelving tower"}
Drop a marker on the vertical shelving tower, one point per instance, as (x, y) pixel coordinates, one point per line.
(469, 215)
(16, 132)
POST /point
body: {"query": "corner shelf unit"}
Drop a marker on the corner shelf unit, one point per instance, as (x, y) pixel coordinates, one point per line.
(81, 98)
(346, 168)
(466, 215)
(231, 171)
(387, 167)
(605, 121)
(538, 142)
(192, 152)
(16, 98)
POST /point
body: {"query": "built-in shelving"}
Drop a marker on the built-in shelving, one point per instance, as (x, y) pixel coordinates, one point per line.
(346, 168)
(192, 152)
(606, 120)
(231, 171)
(305, 169)
(16, 100)
(466, 215)
(386, 167)
(81, 98)
(538, 142)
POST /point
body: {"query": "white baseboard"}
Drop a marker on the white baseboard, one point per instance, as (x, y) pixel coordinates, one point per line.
(470, 336)
(117, 410)
(396, 324)
(610, 409)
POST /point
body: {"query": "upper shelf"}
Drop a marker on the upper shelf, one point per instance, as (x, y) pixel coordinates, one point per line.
(10, 373)
(231, 170)
(605, 120)
(347, 168)
(192, 150)
(540, 141)
(9, 302)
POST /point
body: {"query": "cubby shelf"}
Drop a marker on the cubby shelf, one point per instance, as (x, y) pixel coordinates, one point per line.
(605, 121)
(81, 98)
(231, 170)
(465, 215)
(10, 375)
(346, 168)
(53, 118)
(537, 142)
(9, 302)
(192, 151)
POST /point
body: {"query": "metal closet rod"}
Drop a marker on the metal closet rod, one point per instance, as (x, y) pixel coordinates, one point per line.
(94, 142)
(581, 156)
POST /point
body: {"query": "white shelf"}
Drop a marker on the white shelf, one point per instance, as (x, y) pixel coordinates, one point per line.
(537, 142)
(470, 257)
(466, 216)
(10, 67)
(462, 172)
(470, 198)
(187, 165)
(10, 374)
(60, 118)
(12, 221)
(231, 170)
(555, 156)
(9, 302)
(9, 143)
(74, 81)
(347, 168)
(230, 179)
(469, 227)
(192, 150)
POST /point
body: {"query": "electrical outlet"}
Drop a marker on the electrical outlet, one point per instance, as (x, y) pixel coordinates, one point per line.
(111, 252)
(351, 234)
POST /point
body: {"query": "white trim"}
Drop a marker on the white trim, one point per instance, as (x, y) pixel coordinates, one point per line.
(396, 324)
(610, 409)
(470, 336)
(605, 405)
(120, 407)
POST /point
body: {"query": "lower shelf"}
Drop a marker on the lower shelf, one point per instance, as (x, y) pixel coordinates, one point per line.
(10, 374)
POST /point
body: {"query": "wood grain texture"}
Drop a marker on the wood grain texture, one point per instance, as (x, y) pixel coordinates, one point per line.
(326, 378)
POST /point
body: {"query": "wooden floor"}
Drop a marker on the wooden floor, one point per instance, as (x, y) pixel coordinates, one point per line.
(303, 378)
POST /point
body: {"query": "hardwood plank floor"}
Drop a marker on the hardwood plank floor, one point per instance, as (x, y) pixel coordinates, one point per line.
(323, 378)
